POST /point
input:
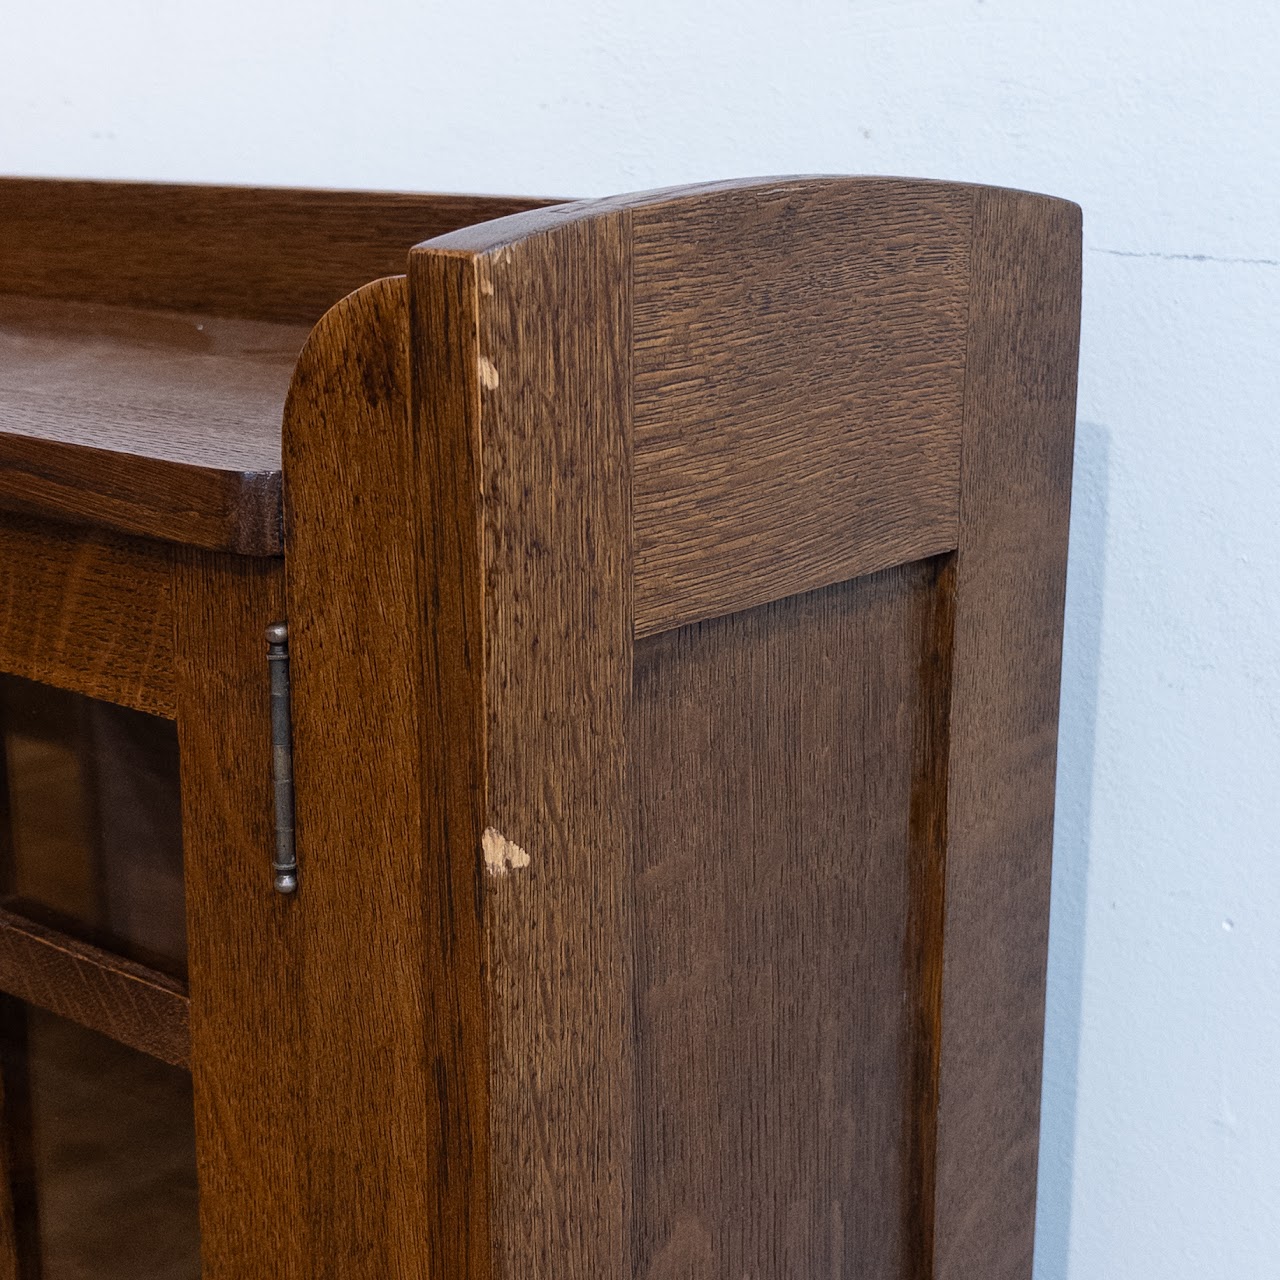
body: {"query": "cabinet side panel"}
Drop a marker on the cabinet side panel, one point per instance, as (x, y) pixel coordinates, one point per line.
(1010, 581)
(775, 763)
(799, 374)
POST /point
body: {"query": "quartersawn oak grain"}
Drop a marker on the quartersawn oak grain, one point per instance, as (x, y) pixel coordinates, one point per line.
(1010, 579)
(154, 423)
(773, 759)
(799, 373)
(388, 1061)
(140, 388)
(549, 492)
(265, 253)
(87, 612)
(445, 378)
(713, 952)
(128, 1002)
(501, 370)
(244, 954)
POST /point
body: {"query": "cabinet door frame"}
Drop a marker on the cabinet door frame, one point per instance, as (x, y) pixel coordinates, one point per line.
(179, 634)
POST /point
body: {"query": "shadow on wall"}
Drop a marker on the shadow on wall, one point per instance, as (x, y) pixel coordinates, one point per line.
(1076, 737)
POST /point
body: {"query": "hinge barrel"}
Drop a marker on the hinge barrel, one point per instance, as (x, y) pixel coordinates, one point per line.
(285, 862)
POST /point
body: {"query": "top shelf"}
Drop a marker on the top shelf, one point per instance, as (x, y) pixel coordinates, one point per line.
(148, 335)
(151, 422)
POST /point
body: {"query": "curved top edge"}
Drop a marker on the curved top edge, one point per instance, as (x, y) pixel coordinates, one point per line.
(489, 237)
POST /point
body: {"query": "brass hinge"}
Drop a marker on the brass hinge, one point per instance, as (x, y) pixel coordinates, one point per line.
(285, 862)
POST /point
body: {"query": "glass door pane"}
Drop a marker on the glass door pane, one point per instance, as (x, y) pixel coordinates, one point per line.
(95, 823)
(101, 1155)
(98, 1137)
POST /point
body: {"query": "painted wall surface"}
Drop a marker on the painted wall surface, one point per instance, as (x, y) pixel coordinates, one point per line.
(1161, 1132)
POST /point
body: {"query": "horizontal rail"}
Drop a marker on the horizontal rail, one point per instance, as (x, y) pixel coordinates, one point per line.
(129, 1002)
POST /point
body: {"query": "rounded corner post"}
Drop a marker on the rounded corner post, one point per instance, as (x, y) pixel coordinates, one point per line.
(377, 906)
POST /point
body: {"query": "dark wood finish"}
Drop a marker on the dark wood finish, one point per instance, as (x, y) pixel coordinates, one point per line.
(87, 612)
(138, 1006)
(1010, 575)
(799, 372)
(711, 394)
(444, 372)
(771, 752)
(377, 1081)
(551, 318)
(798, 380)
(19, 1243)
(674, 586)
(245, 955)
(18, 1223)
(923, 959)
(141, 385)
(266, 253)
(155, 423)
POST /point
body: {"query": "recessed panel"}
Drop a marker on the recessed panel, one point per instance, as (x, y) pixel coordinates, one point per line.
(775, 770)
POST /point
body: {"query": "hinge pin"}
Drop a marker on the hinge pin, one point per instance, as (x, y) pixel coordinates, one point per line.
(285, 863)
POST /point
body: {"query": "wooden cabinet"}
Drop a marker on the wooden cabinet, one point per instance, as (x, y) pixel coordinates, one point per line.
(673, 589)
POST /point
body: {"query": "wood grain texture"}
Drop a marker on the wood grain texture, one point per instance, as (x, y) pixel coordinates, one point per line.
(259, 252)
(88, 612)
(543, 410)
(798, 357)
(1010, 576)
(387, 1060)
(155, 423)
(245, 957)
(799, 373)
(773, 762)
(138, 1006)
(718, 956)
(444, 297)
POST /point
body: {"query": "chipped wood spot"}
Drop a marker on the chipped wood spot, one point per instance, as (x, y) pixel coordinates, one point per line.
(502, 855)
(488, 374)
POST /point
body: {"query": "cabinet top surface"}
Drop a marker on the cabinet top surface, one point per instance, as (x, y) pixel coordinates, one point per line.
(201, 390)
(797, 344)
(149, 332)
(156, 422)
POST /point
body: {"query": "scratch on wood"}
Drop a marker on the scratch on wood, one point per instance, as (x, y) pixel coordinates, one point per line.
(501, 854)
(488, 374)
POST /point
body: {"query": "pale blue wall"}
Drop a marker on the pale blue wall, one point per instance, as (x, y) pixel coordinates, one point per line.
(1162, 1093)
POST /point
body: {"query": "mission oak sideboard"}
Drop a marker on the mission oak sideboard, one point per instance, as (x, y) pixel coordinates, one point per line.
(528, 729)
